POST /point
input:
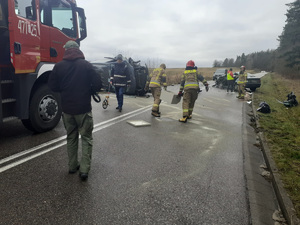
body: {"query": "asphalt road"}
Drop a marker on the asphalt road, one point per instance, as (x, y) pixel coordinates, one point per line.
(205, 171)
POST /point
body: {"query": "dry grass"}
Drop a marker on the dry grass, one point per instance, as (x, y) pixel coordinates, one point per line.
(290, 85)
(174, 74)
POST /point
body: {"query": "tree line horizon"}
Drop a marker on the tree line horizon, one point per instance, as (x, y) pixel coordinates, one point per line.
(284, 60)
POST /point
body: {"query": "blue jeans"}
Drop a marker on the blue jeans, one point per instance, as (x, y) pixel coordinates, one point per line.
(119, 93)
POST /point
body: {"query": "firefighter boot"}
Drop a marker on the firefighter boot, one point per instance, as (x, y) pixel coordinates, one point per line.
(189, 116)
(183, 119)
(155, 113)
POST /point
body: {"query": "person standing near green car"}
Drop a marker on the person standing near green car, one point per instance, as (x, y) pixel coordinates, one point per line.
(75, 79)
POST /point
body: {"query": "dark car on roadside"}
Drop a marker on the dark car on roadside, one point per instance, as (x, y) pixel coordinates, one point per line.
(219, 73)
(252, 83)
(138, 75)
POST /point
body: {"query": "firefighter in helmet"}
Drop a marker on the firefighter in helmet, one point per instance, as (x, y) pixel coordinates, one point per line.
(155, 80)
(242, 83)
(190, 86)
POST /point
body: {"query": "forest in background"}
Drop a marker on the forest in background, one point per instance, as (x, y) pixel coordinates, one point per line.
(285, 59)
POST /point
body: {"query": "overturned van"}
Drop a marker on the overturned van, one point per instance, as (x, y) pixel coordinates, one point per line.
(138, 75)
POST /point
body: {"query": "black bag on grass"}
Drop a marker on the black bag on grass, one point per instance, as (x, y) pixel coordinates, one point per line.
(291, 101)
(264, 107)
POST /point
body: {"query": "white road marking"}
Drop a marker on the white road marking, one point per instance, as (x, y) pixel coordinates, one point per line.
(58, 142)
(214, 101)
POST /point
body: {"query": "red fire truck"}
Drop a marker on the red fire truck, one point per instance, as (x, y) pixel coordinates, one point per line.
(32, 36)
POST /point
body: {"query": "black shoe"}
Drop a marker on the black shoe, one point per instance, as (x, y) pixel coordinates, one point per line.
(74, 170)
(83, 176)
(117, 107)
(120, 109)
(156, 114)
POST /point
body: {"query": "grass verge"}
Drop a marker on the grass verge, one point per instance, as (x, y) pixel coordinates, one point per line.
(282, 130)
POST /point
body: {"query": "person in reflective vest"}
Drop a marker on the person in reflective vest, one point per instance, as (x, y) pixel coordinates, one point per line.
(230, 80)
(189, 89)
(156, 79)
(242, 83)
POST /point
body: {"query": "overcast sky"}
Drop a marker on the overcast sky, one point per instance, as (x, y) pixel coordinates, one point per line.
(175, 31)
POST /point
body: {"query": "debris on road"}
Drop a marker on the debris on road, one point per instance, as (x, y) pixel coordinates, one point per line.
(278, 217)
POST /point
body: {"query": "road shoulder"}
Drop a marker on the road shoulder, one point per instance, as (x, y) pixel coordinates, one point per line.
(261, 196)
(285, 203)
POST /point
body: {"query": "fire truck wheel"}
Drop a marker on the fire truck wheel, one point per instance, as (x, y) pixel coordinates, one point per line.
(44, 110)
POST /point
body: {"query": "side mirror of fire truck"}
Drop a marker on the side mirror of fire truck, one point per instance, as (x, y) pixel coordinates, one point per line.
(82, 24)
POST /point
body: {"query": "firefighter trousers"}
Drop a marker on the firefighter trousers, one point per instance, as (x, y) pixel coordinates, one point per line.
(156, 92)
(241, 89)
(79, 124)
(188, 101)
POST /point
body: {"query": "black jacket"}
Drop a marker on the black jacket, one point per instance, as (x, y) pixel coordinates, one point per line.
(120, 76)
(75, 79)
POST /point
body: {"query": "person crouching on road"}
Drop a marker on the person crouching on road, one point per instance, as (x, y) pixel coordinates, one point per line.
(155, 80)
(120, 78)
(242, 83)
(75, 79)
(190, 85)
(230, 80)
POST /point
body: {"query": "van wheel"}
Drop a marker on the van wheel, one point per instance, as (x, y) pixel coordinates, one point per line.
(44, 110)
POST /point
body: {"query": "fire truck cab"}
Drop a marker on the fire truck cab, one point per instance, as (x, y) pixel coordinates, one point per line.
(32, 36)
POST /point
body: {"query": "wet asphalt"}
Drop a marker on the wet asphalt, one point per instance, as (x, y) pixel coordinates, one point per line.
(205, 171)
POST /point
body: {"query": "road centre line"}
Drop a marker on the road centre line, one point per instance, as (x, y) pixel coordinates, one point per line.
(122, 118)
(17, 155)
(56, 141)
(213, 101)
(130, 114)
(220, 99)
(14, 164)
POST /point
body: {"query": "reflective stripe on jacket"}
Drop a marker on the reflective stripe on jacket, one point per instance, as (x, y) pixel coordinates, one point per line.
(157, 78)
(190, 80)
(242, 78)
(120, 76)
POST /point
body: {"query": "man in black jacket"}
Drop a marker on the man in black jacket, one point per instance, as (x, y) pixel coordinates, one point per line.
(120, 78)
(75, 79)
